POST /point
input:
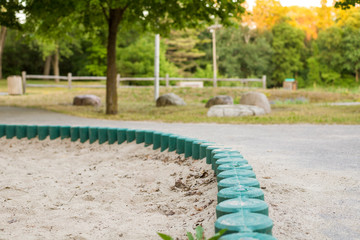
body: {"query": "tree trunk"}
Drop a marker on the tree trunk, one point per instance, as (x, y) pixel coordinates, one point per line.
(2, 43)
(115, 16)
(357, 75)
(56, 64)
(47, 65)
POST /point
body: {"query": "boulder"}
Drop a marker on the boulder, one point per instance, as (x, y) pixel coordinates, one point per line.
(169, 99)
(256, 99)
(220, 100)
(86, 100)
(234, 111)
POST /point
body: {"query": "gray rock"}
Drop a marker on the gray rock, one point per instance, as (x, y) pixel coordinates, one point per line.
(256, 99)
(169, 99)
(86, 100)
(234, 111)
(220, 100)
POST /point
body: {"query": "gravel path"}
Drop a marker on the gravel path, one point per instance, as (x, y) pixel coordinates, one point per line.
(311, 172)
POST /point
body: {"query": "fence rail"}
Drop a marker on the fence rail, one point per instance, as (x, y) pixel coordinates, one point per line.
(69, 78)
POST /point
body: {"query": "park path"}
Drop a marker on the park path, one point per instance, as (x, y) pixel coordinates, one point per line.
(299, 149)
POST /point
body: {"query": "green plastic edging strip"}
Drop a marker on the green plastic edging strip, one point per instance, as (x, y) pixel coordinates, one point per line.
(65, 132)
(240, 208)
(139, 136)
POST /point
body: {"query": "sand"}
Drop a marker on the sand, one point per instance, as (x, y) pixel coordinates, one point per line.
(64, 190)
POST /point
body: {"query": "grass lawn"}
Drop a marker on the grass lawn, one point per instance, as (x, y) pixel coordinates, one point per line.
(302, 106)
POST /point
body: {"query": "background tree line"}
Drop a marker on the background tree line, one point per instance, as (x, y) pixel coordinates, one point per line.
(316, 46)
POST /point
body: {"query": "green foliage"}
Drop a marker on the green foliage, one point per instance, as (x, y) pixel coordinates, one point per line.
(330, 45)
(329, 76)
(351, 50)
(243, 53)
(137, 59)
(8, 12)
(164, 236)
(97, 59)
(199, 235)
(79, 30)
(182, 50)
(313, 75)
(288, 44)
(19, 56)
(346, 4)
(204, 73)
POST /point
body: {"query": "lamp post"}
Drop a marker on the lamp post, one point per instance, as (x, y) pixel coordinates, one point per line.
(212, 29)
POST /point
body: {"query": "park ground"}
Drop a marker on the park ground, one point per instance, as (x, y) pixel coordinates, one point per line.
(137, 104)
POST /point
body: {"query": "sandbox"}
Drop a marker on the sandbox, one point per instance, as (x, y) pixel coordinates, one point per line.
(76, 187)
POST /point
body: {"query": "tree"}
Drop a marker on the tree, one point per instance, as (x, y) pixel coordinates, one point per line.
(305, 19)
(54, 42)
(20, 54)
(243, 52)
(182, 50)
(351, 50)
(159, 16)
(346, 4)
(137, 59)
(288, 44)
(267, 13)
(330, 45)
(324, 16)
(330, 54)
(3, 31)
(8, 18)
(313, 75)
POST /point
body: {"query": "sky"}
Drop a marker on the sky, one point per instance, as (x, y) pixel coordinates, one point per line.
(301, 3)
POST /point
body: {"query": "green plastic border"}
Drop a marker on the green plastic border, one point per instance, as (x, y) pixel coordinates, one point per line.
(198, 149)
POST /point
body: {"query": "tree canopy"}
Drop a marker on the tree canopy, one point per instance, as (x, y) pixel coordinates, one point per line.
(346, 4)
(316, 45)
(155, 15)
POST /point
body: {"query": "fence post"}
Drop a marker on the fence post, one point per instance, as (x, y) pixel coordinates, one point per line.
(264, 81)
(167, 80)
(23, 74)
(117, 80)
(69, 76)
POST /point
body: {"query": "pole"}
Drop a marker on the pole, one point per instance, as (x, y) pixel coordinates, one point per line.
(214, 58)
(157, 66)
(264, 81)
(69, 77)
(23, 74)
(118, 80)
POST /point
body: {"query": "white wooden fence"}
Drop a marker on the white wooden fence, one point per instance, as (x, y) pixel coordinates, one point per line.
(69, 78)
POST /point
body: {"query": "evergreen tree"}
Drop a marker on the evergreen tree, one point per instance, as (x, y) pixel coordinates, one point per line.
(182, 50)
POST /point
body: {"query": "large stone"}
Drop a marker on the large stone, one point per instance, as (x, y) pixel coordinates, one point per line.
(234, 111)
(256, 99)
(15, 86)
(169, 99)
(86, 100)
(220, 100)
